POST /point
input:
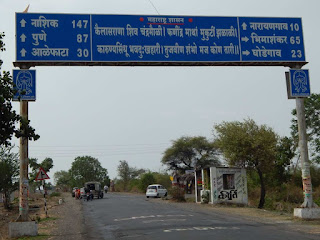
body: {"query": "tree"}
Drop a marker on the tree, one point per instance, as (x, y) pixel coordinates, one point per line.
(187, 153)
(247, 145)
(62, 179)
(127, 173)
(86, 169)
(285, 153)
(163, 179)
(9, 172)
(146, 180)
(9, 117)
(312, 113)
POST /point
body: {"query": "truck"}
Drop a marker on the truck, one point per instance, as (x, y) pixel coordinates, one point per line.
(95, 188)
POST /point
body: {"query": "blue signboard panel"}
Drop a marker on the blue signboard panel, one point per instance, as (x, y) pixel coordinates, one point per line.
(53, 37)
(139, 38)
(272, 39)
(299, 83)
(25, 84)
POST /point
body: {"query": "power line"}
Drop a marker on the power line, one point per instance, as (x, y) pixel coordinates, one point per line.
(154, 7)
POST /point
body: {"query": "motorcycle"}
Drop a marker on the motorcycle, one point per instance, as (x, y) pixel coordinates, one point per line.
(89, 196)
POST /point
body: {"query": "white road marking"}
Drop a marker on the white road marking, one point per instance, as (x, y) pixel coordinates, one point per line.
(151, 216)
(165, 220)
(200, 229)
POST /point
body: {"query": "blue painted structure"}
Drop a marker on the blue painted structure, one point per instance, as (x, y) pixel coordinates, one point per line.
(299, 83)
(25, 83)
(138, 38)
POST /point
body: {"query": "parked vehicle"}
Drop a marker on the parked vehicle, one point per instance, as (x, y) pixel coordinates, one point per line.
(94, 188)
(156, 190)
(74, 191)
(83, 193)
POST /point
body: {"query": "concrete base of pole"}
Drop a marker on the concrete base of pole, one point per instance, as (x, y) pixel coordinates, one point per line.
(307, 213)
(19, 229)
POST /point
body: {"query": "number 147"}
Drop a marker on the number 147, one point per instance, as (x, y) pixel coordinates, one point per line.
(80, 23)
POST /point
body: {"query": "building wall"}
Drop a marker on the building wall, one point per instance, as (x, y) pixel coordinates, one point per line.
(228, 185)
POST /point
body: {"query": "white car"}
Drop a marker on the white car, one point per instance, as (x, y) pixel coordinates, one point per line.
(156, 190)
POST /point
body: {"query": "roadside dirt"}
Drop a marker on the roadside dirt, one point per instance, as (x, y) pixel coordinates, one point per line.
(64, 221)
(70, 220)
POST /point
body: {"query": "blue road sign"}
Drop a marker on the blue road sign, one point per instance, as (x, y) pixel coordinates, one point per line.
(25, 84)
(299, 83)
(139, 38)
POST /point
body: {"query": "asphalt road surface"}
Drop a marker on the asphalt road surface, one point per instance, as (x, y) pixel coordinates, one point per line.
(127, 216)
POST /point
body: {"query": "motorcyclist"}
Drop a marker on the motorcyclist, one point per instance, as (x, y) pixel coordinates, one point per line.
(105, 188)
(89, 194)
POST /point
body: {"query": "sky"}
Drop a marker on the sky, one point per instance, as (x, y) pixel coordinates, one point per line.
(134, 113)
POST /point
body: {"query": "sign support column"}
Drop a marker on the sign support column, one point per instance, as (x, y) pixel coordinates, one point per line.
(304, 156)
(308, 210)
(24, 162)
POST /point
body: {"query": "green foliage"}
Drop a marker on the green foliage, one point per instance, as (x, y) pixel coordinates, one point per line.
(187, 153)
(146, 180)
(296, 178)
(163, 179)
(85, 169)
(140, 184)
(106, 181)
(247, 145)
(134, 186)
(316, 195)
(285, 153)
(124, 174)
(315, 175)
(127, 174)
(38, 237)
(55, 194)
(8, 117)
(9, 172)
(312, 112)
(62, 179)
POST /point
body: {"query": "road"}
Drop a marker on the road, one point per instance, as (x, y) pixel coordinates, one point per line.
(129, 216)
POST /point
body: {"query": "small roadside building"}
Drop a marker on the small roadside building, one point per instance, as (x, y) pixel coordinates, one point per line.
(221, 185)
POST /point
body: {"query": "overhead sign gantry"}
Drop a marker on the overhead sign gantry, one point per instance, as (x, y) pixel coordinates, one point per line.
(88, 39)
(147, 40)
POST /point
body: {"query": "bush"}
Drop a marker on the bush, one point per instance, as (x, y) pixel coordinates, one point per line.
(55, 194)
(163, 179)
(316, 195)
(134, 185)
(177, 194)
(146, 180)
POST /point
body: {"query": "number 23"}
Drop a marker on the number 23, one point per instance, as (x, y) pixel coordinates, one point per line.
(296, 53)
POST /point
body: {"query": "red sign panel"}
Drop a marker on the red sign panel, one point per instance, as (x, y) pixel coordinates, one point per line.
(42, 175)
